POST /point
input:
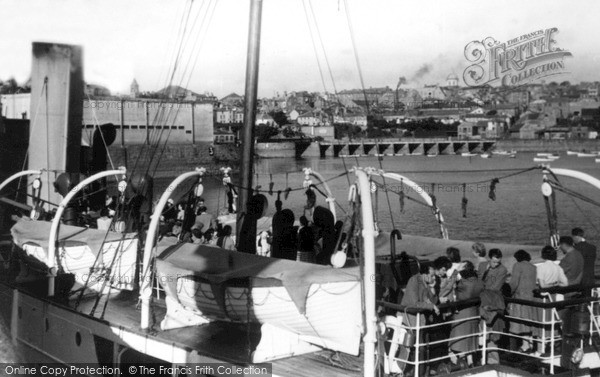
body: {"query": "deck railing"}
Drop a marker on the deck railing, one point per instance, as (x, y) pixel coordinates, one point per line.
(549, 323)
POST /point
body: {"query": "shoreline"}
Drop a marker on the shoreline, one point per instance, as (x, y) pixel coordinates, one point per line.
(540, 145)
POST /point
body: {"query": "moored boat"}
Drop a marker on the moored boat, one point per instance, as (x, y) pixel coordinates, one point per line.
(586, 154)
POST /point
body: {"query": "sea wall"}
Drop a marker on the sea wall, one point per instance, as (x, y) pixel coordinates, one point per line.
(540, 145)
(176, 159)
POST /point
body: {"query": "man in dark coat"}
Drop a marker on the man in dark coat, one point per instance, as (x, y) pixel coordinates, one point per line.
(573, 262)
(589, 254)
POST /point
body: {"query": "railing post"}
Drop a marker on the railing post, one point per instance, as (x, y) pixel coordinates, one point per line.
(417, 344)
(552, 328)
(543, 340)
(484, 347)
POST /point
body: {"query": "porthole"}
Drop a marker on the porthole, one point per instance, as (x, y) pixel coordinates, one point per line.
(78, 338)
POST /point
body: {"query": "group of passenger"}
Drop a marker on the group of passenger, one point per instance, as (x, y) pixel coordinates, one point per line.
(311, 240)
(195, 225)
(449, 279)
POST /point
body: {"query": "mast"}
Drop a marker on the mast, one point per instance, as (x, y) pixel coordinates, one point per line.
(247, 161)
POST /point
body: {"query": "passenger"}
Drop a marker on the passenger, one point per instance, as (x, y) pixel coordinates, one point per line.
(325, 233)
(589, 254)
(522, 283)
(210, 237)
(494, 274)
(196, 236)
(175, 230)
(225, 241)
(549, 274)
(572, 263)
(180, 211)
(170, 212)
(494, 277)
(306, 242)
(276, 227)
(479, 253)
(205, 218)
(445, 284)
(263, 243)
(419, 293)
(288, 237)
(468, 287)
(454, 255)
(103, 222)
(255, 209)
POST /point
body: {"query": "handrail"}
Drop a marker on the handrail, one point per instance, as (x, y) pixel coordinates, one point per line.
(566, 289)
(477, 301)
(145, 289)
(547, 324)
(52, 239)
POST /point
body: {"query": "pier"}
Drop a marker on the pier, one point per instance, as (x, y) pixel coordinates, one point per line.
(407, 147)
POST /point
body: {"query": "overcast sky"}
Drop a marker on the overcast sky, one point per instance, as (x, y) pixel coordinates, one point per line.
(124, 40)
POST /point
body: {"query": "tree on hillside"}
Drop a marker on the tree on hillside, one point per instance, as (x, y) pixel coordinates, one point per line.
(264, 132)
(279, 117)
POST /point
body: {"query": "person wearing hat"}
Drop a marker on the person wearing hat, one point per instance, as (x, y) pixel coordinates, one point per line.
(170, 211)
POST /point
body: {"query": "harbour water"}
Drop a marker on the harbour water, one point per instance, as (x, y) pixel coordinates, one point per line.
(518, 214)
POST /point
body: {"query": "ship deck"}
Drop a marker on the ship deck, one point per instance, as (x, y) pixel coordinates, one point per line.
(227, 342)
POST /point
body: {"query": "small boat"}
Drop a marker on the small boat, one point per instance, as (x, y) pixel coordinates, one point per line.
(586, 154)
(486, 155)
(501, 153)
(597, 160)
(544, 154)
(543, 159)
(512, 155)
(572, 153)
(432, 155)
(467, 154)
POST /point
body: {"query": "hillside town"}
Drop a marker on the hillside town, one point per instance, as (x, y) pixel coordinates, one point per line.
(546, 110)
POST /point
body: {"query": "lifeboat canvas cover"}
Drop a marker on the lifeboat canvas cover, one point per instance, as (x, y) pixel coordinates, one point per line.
(219, 266)
(37, 232)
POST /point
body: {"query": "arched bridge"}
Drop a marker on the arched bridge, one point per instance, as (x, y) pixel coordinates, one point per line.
(367, 147)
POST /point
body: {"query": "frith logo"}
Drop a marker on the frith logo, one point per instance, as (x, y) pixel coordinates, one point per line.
(519, 61)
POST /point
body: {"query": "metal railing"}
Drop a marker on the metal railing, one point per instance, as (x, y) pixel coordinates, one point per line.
(548, 325)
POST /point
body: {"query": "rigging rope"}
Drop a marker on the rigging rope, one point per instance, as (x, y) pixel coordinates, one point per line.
(323, 47)
(360, 75)
(312, 38)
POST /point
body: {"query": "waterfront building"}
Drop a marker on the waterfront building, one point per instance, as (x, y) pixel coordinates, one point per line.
(136, 119)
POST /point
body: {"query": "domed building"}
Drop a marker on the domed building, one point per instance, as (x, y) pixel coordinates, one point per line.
(452, 80)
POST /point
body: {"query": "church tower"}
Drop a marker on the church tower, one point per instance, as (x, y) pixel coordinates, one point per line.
(135, 89)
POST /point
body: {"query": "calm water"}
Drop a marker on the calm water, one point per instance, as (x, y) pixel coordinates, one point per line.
(517, 215)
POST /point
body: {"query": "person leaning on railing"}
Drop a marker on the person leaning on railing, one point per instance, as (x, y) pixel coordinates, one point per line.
(494, 277)
(469, 286)
(419, 293)
(549, 274)
(522, 283)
